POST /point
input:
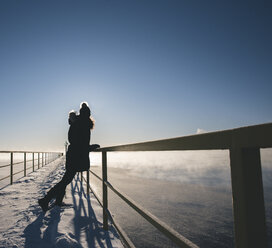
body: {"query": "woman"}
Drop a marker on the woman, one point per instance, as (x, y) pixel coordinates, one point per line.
(77, 156)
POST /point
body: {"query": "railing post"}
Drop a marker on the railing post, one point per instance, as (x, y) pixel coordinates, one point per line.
(24, 164)
(38, 160)
(105, 190)
(88, 182)
(248, 198)
(11, 167)
(42, 159)
(33, 161)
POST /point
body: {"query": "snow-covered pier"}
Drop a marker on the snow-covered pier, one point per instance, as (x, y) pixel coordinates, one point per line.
(79, 223)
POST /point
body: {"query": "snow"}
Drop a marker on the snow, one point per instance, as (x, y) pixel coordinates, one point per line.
(76, 224)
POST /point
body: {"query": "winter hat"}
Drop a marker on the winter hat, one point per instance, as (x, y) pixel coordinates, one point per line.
(84, 109)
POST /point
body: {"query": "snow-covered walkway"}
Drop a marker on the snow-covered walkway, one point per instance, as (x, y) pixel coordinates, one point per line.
(78, 224)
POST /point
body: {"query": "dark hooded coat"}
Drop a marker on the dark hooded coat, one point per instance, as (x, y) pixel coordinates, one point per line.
(79, 134)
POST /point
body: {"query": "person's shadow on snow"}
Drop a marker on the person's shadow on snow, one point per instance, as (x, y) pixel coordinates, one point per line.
(34, 234)
(85, 219)
(43, 231)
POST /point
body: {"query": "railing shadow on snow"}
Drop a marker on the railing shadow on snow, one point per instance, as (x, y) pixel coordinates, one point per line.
(84, 220)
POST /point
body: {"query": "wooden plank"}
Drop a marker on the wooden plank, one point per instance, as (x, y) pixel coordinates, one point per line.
(96, 175)
(5, 177)
(96, 196)
(252, 136)
(27, 152)
(248, 199)
(38, 160)
(105, 190)
(121, 232)
(24, 164)
(218, 140)
(11, 167)
(3, 166)
(33, 162)
(177, 238)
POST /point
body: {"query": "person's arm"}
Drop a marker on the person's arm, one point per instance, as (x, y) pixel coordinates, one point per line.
(93, 147)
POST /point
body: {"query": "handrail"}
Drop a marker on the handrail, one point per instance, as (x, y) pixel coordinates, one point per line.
(21, 171)
(246, 177)
(3, 178)
(168, 231)
(96, 175)
(165, 229)
(94, 193)
(3, 166)
(46, 158)
(16, 151)
(119, 229)
(248, 137)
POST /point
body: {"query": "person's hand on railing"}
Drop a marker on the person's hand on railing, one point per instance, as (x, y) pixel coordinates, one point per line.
(93, 147)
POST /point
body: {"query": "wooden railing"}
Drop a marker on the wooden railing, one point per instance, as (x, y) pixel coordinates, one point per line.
(246, 176)
(42, 158)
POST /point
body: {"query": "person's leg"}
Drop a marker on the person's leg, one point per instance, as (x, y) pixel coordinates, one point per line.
(61, 192)
(60, 196)
(57, 190)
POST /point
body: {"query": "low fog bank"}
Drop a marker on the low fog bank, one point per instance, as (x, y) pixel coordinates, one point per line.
(210, 168)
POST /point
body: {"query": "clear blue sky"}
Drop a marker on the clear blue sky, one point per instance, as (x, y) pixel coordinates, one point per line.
(149, 69)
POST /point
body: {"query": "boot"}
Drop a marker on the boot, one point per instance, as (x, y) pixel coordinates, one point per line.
(44, 203)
